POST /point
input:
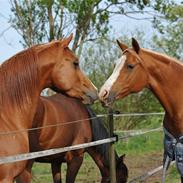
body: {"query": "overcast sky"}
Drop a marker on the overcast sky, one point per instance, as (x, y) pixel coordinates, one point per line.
(9, 38)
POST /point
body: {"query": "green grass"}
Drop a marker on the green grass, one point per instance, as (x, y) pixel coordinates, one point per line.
(173, 176)
(147, 143)
(143, 153)
(88, 172)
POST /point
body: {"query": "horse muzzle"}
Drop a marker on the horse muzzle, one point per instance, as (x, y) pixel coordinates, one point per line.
(90, 97)
(106, 97)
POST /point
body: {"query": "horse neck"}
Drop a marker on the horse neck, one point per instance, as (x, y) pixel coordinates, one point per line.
(46, 63)
(39, 114)
(23, 75)
(165, 82)
(101, 161)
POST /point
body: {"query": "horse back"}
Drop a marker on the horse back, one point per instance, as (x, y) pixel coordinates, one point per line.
(64, 120)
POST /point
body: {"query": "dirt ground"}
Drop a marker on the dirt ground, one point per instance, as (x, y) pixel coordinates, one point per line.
(89, 173)
(140, 165)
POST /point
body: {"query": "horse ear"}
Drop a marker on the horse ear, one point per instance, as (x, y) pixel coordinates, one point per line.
(121, 45)
(121, 159)
(67, 40)
(135, 45)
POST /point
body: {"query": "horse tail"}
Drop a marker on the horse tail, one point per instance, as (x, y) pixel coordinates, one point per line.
(99, 132)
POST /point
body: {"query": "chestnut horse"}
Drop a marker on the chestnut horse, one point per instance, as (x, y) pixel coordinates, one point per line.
(62, 110)
(139, 68)
(22, 78)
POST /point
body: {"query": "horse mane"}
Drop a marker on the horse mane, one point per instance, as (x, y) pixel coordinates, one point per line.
(161, 56)
(18, 78)
(176, 64)
(99, 132)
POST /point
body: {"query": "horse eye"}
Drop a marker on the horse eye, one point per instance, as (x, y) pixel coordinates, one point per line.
(130, 66)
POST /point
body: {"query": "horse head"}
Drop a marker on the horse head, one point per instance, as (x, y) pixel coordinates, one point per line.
(129, 75)
(121, 170)
(65, 74)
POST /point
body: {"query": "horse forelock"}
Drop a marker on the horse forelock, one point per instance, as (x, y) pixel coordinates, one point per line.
(19, 78)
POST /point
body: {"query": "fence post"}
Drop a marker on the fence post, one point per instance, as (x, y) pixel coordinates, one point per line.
(111, 147)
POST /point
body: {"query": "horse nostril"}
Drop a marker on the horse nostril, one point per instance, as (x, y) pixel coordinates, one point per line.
(105, 93)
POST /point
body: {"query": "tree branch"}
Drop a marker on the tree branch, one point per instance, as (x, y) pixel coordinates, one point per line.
(51, 20)
(5, 30)
(60, 33)
(30, 29)
(16, 6)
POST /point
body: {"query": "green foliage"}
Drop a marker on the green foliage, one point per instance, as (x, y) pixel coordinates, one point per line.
(41, 20)
(98, 60)
(90, 20)
(170, 39)
(171, 42)
(29, 27)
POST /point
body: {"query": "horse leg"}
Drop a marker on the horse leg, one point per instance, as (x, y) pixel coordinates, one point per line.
(181, 179)
(56, 172)
(72, 168)
(9, 172)
(104, 171)
(26, 175)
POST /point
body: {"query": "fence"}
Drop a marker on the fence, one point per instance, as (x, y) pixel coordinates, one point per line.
(32, 155)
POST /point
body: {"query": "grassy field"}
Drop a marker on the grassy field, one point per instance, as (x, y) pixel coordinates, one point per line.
(143, 153)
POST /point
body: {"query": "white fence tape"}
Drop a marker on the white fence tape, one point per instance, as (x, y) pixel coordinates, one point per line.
(134, 114)
(33, 155)
(139, 132)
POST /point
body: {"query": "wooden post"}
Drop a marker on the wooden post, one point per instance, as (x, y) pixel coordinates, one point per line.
(111, 150)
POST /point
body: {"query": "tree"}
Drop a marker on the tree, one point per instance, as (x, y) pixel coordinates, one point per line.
(170, 39)
(43, 20)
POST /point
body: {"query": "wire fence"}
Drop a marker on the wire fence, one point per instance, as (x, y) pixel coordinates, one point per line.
(38, 154)
(146, 175)
(79, 121)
